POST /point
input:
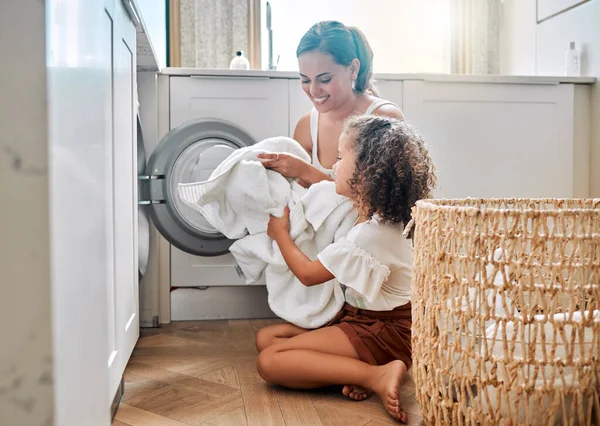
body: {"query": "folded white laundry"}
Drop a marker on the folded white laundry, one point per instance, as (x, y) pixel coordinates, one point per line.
(238, 199)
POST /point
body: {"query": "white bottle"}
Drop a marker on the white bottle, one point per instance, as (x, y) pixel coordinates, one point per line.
(572, 61)
(239, 62)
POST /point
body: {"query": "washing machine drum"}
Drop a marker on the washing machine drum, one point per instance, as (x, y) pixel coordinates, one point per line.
(189, 153)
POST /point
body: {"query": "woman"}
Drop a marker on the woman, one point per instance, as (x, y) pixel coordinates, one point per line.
(336, 67)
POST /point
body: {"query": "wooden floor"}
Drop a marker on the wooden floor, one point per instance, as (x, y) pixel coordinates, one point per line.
(204, 373)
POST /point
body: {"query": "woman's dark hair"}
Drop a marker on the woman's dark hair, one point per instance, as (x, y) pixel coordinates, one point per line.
(344, 44)
(393, 167)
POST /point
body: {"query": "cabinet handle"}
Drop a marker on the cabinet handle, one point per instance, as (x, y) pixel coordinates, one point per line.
(132, 12)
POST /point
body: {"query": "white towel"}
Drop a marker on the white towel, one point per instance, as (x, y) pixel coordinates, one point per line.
(238, 199)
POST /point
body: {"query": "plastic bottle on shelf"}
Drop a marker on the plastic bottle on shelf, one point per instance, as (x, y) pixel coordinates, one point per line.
(572, 60)
(239, 62)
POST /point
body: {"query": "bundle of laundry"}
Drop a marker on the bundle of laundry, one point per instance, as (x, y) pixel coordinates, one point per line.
(238, 199)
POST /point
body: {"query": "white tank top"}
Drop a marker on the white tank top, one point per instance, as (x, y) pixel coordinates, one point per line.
(314, 131)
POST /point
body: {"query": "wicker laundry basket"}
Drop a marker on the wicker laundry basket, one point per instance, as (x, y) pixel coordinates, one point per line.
(506, 320)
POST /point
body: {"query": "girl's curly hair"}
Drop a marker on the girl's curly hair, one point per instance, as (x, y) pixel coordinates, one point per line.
(393, 167)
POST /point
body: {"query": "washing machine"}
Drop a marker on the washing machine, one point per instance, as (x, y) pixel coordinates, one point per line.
(201, 121)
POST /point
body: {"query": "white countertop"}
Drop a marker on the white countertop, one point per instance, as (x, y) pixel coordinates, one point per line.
(456, 78)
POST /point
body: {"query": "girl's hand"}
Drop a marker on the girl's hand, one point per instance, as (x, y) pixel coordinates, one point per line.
(279, 226)
(288, 165)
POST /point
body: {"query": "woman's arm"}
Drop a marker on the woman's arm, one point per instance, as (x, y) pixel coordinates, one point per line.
(307, 271)
(293, 167)
(313, 175)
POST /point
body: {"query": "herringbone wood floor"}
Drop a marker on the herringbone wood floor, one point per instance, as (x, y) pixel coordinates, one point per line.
(204, 373)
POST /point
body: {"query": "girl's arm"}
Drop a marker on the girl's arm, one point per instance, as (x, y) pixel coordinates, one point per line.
(307, 271)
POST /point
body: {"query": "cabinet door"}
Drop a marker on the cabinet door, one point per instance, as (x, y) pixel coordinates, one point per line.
(496, 140)
(111, 17)
(79, 105)
(391, 90)
(123, 291)
(125, 162)
(257, 105)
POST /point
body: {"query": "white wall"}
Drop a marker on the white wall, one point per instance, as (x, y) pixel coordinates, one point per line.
(529, 48)
(26, 377)
(582, 25)
(406, 35)
(517, 37)
(546, 42)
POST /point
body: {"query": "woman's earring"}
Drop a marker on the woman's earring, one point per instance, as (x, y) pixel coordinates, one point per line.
(354, 84)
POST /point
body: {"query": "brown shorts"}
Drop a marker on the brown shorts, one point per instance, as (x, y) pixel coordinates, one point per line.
(378, 336)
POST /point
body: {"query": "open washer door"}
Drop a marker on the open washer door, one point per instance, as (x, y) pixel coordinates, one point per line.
(189, 153)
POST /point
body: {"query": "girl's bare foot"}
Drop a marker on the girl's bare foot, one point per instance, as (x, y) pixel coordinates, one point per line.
(386, 384)
(357, 393)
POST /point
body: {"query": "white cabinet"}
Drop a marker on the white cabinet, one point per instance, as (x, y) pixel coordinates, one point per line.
(503, 140)
(391, 90)
(244, 102)
(90, 63)
(300, 104)
(122, 287)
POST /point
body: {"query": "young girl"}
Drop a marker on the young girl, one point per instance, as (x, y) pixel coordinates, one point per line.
(384, 167)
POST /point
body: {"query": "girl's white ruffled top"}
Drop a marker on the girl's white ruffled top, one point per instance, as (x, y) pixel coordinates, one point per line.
(374, 261)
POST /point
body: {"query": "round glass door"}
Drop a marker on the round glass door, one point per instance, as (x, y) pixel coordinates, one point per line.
(190, 153)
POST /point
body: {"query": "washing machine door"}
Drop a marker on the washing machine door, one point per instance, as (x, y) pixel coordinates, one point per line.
(143, 219)
(189, 153)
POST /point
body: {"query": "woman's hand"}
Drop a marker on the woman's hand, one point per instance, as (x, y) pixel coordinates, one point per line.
(279, 226)
(288, 165)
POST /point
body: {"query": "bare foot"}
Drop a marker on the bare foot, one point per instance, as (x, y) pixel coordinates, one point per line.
(386, 384)
(357, 393)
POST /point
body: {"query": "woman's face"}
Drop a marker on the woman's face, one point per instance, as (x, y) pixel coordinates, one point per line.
(326, 83)
(345, 165)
